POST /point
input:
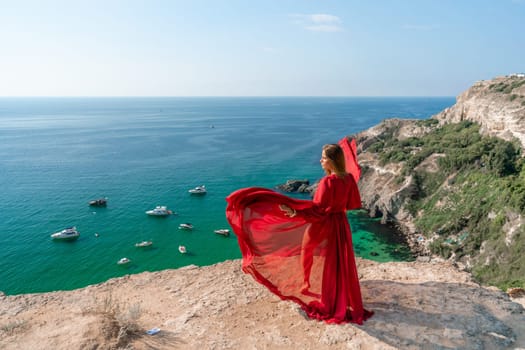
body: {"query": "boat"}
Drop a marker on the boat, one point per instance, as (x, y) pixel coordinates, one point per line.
(69, 233)
(182, 249)
(101, 202)
(123, 261)
(198, 190)
(223, 232)
(160, 210)
(186, 226)
(143, 244)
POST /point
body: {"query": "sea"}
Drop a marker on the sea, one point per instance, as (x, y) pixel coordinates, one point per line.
(57, 154)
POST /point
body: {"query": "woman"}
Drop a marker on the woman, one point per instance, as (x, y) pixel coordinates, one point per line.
(302, 250)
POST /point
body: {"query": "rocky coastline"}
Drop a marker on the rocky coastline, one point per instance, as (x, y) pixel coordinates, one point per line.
(498, 106)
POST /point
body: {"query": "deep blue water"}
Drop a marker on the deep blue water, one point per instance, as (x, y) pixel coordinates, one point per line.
(56, 154)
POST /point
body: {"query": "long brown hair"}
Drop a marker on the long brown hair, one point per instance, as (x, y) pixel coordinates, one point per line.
(334, 152)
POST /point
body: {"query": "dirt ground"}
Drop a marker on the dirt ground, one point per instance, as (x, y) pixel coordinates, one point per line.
(417, 305)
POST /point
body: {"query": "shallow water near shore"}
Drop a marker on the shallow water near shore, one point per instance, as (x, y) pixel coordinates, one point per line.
(57, 154)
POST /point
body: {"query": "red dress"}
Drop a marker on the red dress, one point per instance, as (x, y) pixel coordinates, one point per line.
(309, 258)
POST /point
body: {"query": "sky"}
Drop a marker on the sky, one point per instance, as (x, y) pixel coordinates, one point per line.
(257, 47)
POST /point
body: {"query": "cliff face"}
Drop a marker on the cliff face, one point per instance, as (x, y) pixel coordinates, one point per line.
(381, 191)
(388, 190)
(498, 105)
(416, 305)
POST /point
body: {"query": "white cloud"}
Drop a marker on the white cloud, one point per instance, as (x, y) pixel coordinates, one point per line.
(322, 18)
(318, 22)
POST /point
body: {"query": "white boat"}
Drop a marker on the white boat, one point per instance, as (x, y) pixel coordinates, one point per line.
(223, 232)
(186, 226)
(123, 261)
(143, 244)
(160, 210)
(182, 249)
(69, 233)
(198, 190)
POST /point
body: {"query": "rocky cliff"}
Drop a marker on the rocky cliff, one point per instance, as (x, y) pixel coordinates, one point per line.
(382, 194)
(395, 190)
(498, 105)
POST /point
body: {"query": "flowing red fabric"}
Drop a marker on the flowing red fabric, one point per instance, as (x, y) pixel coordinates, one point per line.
(309, 258)
(350, 152)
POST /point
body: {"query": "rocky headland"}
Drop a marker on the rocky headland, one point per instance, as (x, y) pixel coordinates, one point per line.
(408, 177)
(497, 105)
(431, 303)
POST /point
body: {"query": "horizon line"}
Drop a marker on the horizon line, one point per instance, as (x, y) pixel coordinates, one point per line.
(233, 96)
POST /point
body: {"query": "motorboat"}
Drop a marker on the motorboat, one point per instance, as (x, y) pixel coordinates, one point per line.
(143, 244)
(186, 226)
(182, 249)
(160, 210)
(222, 232)
(198, 190)
(123, 261)
(69, 233)
(101, 202)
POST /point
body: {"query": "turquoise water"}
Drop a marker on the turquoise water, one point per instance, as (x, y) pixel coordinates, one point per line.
(56, 154)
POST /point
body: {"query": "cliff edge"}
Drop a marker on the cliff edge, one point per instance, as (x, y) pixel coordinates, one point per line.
(416, 305)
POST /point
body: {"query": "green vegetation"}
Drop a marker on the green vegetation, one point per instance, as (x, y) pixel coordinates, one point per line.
(506, 87)
(466, 201)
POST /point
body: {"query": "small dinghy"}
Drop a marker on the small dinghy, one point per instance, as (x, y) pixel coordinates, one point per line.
(143, 244)
(223, 232)
(186, 226)
(123, 261)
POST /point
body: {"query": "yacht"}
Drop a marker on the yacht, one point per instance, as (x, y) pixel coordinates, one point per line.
(182, 249)
(69, 233)
(198, 190)
(101, 202)
(160, 210)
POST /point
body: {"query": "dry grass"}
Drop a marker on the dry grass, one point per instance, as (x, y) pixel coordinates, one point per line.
(13, 327)
(119, 322)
